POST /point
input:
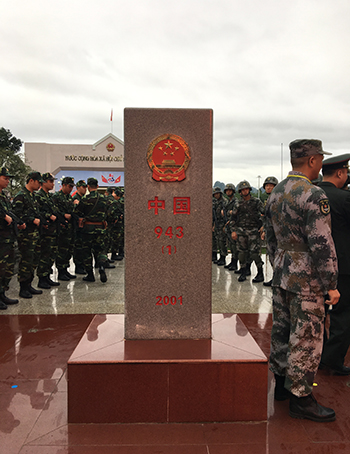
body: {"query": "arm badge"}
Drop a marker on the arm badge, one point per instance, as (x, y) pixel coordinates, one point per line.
(325, 207)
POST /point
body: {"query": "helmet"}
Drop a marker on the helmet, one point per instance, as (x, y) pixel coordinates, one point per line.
(242, 185)
(270, 180)
(230, 186)
(217, 190)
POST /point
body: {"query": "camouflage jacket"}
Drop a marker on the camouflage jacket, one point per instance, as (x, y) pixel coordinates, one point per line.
(47, 209)
(116, 213)
(6, 230)
(77, 196)
(218, 206)
(246, 215)
(299, 240)
(93, 208)
(26, 207)
(63, 202)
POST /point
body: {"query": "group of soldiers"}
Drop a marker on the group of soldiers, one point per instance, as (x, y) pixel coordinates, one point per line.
(52, 227)
(238, 226)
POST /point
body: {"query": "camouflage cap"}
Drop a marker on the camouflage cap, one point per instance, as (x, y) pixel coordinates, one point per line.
(81, 183)
(110, 189)
(92, 181)
(5, 173)
(243, 185)
(230, 186)
(337, 162)
(48, 176)
(118, 192)
(301, 148)
(68, 180)
(217, 190)
(270, 180)
(36, 176)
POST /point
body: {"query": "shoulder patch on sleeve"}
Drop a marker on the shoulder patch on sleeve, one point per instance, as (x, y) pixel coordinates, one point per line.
(325, 207)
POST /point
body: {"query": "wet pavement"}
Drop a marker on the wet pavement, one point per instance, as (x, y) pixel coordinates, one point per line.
(39, 335)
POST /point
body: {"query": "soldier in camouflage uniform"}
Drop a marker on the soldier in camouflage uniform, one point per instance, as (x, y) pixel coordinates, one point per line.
(7, 240)
(219, 215)
(65, 205)
(93, 209)
(231, 204)
(78, 244)
(303, 256)
(117, 225)
(26, 207)
(246, 223)
(49, 232)
(269, 185)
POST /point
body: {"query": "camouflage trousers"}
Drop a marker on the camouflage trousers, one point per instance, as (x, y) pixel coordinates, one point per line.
(47, 255)
(296, 339)
(78, 248)
(116, 238)
(65, 246)
(248, 247)
(220, 236)
(93, 244)
(232, 245)
(7, 264)
(28, 247)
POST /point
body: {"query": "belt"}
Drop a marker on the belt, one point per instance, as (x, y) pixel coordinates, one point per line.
(295, 247)
(93, 223)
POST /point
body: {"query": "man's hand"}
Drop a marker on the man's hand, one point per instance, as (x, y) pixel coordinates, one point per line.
(67, 216)
(36, 221)
(8, 219)
(334, 296)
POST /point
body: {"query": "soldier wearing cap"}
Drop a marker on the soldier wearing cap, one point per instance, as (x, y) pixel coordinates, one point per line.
(246, 222)
(117, 225)
(232, 245)
(219, 213)
(48, 232)
(77, 251)
(65, 205)
(7, 240)
(26, 207)
(335, 175)
(302, 253)
(93, 209)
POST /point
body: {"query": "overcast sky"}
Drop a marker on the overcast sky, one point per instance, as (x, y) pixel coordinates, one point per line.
(272, 71)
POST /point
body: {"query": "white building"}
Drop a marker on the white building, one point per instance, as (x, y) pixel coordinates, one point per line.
(103, 160)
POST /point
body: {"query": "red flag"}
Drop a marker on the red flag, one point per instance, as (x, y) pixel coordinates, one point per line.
(111, 114)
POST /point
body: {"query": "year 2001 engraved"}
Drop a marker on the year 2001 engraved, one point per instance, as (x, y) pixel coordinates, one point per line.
(166, 300)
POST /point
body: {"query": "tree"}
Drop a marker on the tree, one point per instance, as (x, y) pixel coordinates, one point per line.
(12, 158)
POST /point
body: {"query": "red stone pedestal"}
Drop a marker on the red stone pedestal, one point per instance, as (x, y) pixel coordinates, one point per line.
(111, 380)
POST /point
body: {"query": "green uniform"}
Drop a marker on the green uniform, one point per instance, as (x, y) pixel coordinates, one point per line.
(64, 204)
(26, 207)
(7, 250)
(48, 236)
(93, 208)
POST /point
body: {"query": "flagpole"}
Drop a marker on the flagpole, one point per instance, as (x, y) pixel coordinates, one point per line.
(111, 121)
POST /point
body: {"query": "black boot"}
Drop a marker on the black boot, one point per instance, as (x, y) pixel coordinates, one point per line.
(114, 256)
(71, 276)
(7, 301)
(33, 290)
(260, 276)
(62, 275)
(24, 290)
(43, 283)
(247, 269)
(308, 408)
(3, 306)
(268, 284)
(281, 393)
(121, 252)
(242, 277)
(233, 265)
(79, 269)
(214, 256)
(89, 277)
(108, 265)
(101, 270)
(221, 260)
(52, 283)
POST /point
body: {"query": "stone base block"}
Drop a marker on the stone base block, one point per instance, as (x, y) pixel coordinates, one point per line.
(111, 380)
